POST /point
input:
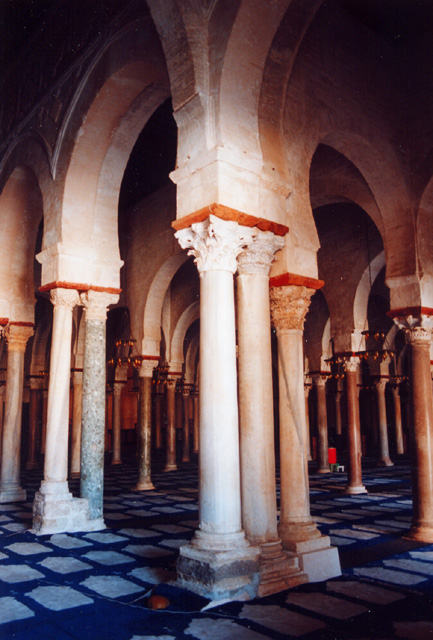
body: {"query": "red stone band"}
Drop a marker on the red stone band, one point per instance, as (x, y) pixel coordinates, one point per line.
(78, 287)
(410, 311)
(286, 279)
(227, 213)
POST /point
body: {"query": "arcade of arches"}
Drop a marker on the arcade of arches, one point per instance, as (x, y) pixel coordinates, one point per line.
(223, 209)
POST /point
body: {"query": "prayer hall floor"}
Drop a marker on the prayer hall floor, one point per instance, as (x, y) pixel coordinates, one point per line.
(96, 585)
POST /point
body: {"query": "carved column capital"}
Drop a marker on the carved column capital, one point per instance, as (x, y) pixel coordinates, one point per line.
(146, 368)
(380, 384)
(289, 306)
(77, 377)
(318, 380)
(352, 365)
(35, 384)
(418, 328)
(17, 337)
(259, 255)
(65, 297)
(96, 303)
(117, 388)
(215, 243)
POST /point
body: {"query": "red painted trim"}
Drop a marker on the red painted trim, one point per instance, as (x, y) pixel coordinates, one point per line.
(227, 213)
(150, 357)
(21, 324)
(410, 311)
(4, 321)
(286, 279)
(78, 287)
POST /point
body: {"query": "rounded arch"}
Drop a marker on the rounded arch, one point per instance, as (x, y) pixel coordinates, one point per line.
(124, 84)
(360, 306)
(21, 211)
(154, 303)
(425, 231)
(190, 315)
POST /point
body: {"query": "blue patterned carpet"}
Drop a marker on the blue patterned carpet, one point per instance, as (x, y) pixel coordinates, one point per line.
(96, 585)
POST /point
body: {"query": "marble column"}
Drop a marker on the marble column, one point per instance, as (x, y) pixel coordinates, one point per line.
(384, 460)
(278, 571)
(144, 427)
(186, 455)
(170, 443)
(298, 531)
(10, 488)
(159, 396)
(218, 562)
(399, 442)
(196, 423)
(418, 335)
(354, 454)
(54, 508)
(322, 424)
(93, 407)
(77, 409)
(35, 386)
(307, 388)
(117, 422)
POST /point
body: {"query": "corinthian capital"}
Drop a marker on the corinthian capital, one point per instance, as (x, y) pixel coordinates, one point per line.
(418, 328)
(65, 298)
(289, 306)
(17, 337)
(258, 257)
(215, 243)
(96, 303)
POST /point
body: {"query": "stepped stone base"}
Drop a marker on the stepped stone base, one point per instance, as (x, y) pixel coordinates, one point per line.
(278, 571)
(12, 493)
(316, 558)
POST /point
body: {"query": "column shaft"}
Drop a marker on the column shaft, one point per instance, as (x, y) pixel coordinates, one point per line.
(77, 410)
(117, 424)
(170, 464)
(354, 472)
(384, 459)
(186, 457)
(33, 425)
(196, 423)
(322, 426)
(159, 394)
(397, 421)
(145, 430)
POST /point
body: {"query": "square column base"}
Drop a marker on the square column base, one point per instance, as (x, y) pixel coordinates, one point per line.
(317, 558)
(218, 575)
(62, 514)
(279, 573)
(12, 493)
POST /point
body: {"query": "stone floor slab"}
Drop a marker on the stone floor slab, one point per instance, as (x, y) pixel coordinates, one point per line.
(388, 575)
(12, 609)
(111, 586)
(153, 575)
(64, 565)
(139, 533)
(281, 619)
(420, 630)
(108, 557)
(202, 629)
(410, 565)
(13, 573)
(59, 598)
(64, 541)
(326, 605)
(364, 591)
(28, 548)
(105, 538)
(146, 551)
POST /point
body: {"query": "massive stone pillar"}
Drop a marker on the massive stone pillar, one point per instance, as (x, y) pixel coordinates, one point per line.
(399, 441)
(170, 440)
(144, 427)
(186, 455)
(384, 459)
(218, 562)
(54, 508)
(258, 487)
(354, 455)
(77, 410)
(35, 390)
(299, 533)
(93, 415)
(418, 335)
(322, 424)
(10, 488)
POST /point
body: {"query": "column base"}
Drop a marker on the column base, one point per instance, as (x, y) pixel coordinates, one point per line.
(218, 575)
(355, 489)
(323, 470)
(421, 532)
(55, 510)
(316, 558)
(186, 459)
(74, 475)
(277, 570)
(170, 467)
(386, 462)
(12, 493)
(31, 465)
(114, 462)
(144, 486)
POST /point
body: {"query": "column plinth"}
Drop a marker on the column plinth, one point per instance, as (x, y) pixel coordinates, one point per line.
(297, 529)
(354, 472)
(219, 562)
(54, 508)
(144, 482)
(10, 488)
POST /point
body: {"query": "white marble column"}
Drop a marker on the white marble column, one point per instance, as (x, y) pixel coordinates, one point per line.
(144, 427)
(10, 488)
(322, 424)
(278, 571)
(219, 561)
(298, 531)
(54, 508)
(93, 412)
(35, 387)
(384, 460)
(399, 441)
(77, 410)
